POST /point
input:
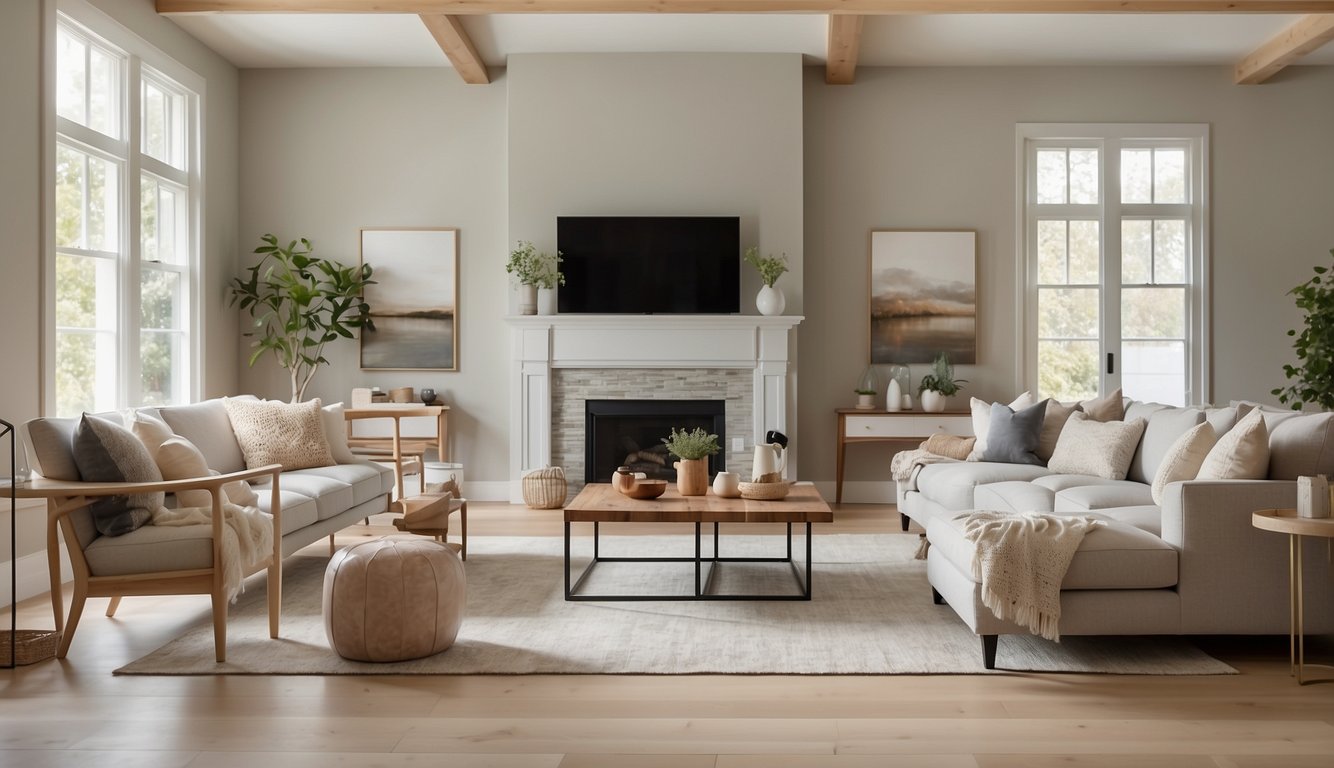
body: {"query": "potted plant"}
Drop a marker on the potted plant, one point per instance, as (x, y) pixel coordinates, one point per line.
(938, 385)
(1314, 371)
(533, 269)
(300, 303)
(693, 449)
(867, 388)
(770, 300)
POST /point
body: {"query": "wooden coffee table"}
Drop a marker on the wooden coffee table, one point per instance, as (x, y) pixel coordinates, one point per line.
(599, 503)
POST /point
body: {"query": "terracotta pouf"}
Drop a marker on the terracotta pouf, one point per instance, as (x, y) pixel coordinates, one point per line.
(393, 599)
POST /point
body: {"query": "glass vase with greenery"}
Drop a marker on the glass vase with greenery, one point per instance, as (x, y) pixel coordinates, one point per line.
(1313, 374)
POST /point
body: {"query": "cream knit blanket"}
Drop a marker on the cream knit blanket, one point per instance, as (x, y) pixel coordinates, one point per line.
(1021, 560)
(247, 538)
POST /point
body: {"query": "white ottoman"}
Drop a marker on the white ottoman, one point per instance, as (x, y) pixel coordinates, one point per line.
(393, 599)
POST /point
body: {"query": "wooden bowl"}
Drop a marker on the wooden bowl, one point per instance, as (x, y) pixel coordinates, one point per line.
(647, 489)
(765, 491)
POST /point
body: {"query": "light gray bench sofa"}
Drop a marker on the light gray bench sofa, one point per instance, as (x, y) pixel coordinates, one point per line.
(1194, 565)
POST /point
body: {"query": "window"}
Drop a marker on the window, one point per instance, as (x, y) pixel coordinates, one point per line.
(126, 191)
(1113, 246)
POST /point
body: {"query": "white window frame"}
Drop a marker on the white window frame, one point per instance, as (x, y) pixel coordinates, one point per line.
(141, 60)
(1111, 138)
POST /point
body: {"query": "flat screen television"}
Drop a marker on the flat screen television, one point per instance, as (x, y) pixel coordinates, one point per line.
(650, 264)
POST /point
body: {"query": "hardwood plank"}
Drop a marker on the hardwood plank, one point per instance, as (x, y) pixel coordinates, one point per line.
(1094, 761)
(1303, 37)
(67, 758)
(1273, 761)
(454, 41)
(251, 734)
(373, 760)
(638, 761)
(846, 761)
(637, 736)
(845, 38)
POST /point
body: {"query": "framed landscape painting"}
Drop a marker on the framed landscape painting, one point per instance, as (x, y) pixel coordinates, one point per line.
(923, 296)
(415, 299)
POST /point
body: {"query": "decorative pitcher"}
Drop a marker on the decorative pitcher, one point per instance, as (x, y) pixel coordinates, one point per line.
(769, 459)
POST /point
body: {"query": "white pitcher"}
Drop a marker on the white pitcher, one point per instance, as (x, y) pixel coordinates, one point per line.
(768, 459)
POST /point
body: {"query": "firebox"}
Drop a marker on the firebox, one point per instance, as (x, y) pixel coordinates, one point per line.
(629, 433)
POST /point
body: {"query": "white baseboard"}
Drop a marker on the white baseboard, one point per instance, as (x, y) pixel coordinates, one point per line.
(487, 490)
(33, 578)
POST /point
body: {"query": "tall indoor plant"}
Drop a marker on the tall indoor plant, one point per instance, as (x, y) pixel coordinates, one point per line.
(1314, 371)
(300, 303)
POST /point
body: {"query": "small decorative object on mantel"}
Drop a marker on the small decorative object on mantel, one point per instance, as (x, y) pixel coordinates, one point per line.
(534, 269)
(770, 300)
(938, 385)
(1313, 497)
(867, 388)
(693, 449)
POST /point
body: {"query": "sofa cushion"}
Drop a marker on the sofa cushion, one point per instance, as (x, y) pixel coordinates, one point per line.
(981, 411)
(299, 510)
(1301, 445)
(1013, 435)
(1124, 493)
(1058, 483)
(1183, 458)
(109, 453)
(179, 459)
(1057, 414)
(1146, 517)
(367, 478)
(151, 430)
(1113, 556)
(207, 426)
(151, 549)
(1162, 430)
(332, 496)
(1109, 408)
(1223, 418)
(1088, 447)
(274, 432)
(1013, 496)
(1241, 454)
(951, 485)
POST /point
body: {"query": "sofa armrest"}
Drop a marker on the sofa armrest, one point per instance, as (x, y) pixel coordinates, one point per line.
(1233, 577)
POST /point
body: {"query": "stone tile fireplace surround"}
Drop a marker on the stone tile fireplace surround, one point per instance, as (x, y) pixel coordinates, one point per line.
(559, 361)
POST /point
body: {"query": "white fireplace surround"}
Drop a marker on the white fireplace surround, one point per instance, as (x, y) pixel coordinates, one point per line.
(540, 343)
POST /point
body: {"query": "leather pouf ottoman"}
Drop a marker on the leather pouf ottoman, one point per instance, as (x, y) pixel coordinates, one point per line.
(393, 599)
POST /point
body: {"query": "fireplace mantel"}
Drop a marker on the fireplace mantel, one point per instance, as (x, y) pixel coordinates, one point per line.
(540, 343)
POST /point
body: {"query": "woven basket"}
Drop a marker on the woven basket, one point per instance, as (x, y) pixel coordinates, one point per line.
(544, 488)
(764, 491)
(32, 646)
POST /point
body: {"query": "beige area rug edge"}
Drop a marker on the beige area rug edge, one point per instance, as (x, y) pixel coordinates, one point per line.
(871, 615)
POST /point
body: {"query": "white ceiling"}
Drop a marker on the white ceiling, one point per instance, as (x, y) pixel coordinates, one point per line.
(326, 40)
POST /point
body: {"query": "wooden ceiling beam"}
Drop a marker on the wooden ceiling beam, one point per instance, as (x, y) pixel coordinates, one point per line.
(454, 41)
(834, 7)
(845, 38)
(1291, 44)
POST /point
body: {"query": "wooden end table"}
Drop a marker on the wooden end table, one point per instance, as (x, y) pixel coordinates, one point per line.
(1287, 521)
(599, 503)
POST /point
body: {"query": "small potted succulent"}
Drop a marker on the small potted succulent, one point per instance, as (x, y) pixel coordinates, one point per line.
(770, 300)
(938, 385)
(866, 390)
(693, 449)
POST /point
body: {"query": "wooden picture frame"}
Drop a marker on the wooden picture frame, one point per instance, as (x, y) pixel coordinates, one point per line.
(923, 296)
(415, 299)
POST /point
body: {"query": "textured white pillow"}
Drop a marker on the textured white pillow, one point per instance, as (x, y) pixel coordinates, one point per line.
(1098, 448)
(335, 432)
(1241, 454)
(274, 432)
(150, 431)
(1184, 457)
(1057, 414)
(982, 421)
(179, 459)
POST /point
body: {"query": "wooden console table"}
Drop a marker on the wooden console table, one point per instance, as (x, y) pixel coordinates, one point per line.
(862, 426)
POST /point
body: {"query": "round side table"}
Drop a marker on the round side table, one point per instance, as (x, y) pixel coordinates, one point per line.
(1287, 521)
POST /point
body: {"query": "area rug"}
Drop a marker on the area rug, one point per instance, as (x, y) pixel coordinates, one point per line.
(871, 614)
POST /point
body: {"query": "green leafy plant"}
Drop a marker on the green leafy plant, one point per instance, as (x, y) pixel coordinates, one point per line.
(1314, 371)
(865, 391)
(695, 444)
(770, 267)
(299, 303)
(532, 267)
(941, 378)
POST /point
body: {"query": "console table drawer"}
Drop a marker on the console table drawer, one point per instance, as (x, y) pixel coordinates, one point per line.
(920, 425)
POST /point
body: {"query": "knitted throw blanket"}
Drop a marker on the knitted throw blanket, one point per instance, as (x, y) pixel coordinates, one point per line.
(1021, 560)
(247, 538)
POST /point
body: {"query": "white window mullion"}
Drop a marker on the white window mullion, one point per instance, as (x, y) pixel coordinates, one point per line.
(133, 249)
(1111, 267)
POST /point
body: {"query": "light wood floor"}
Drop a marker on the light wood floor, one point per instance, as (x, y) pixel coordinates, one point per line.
(75, 713)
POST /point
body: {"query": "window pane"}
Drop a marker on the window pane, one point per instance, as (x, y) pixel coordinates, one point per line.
(76, 290)
(1084, 176)
(1153, 313)
(1169, 251)
(1051, 252)
(76, 373)
(70, 172)
(1136, 251)
(160, 366)
(1068, 370)
(1169, 176)
(1154, 371)
(1136, 176)
(155, 122)
(1085, 252)
(104, 93)
(1069, 313)
(103, 209)
(159, 298)
(71, 73)
(1051, 176)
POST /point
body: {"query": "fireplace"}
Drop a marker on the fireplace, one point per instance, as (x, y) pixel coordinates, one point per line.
(630, 432)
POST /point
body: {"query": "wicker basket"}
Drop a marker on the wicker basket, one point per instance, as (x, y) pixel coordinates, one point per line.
(764, 491)
(544, 488)
(33, 646)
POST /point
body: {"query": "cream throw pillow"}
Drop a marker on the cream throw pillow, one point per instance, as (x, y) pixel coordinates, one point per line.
(1109, 408)
(1241, 454)
(179, 459)
(150, 431)
(1057, 414)
(335, 432)
(273, 432)
(982, 421)
(1183, 458)
(1098, 448)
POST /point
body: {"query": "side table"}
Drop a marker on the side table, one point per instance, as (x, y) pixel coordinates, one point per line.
(1287, 521)
(867, 426)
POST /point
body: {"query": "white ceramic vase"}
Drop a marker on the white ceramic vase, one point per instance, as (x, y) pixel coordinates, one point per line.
(770, 301)
(933, 401)
(528, 300)
(546, 301)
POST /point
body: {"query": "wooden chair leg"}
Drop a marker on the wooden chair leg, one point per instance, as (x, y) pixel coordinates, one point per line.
(219, 626)
(112, 605)
(72, 623)
(463, 526)
(331, 545)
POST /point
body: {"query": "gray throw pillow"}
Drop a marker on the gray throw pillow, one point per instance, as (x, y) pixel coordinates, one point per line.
(1013, 436)
(109, 453)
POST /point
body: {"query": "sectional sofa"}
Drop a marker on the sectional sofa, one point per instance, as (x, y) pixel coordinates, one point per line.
(1192, 564)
